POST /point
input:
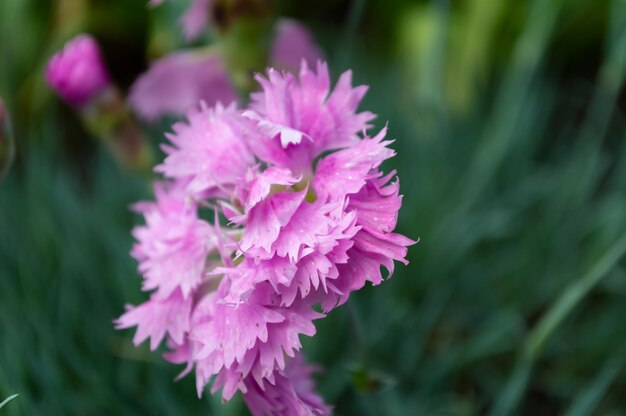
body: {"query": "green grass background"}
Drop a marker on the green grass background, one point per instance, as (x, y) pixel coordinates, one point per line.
(510, 128)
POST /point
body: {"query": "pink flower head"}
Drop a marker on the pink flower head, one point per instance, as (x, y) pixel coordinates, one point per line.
(78, 73)
(289, 236)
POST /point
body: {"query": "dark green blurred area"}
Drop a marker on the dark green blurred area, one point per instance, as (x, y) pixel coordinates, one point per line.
(509, 121)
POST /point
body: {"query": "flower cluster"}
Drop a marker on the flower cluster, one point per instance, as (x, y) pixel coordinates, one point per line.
(268, 217)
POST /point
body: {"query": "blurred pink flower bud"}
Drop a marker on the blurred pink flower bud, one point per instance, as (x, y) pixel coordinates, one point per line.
(77, 73)
(183, 79)
(178, 81)
(293, 42)
(196, 18)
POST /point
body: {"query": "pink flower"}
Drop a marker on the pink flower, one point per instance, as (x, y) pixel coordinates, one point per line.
(234, 297)
(181, 80)
(334, 245)
(301, 118)
(77, 73)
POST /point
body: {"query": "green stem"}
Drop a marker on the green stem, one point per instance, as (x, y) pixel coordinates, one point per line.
(572, 296)
(7, 142)
(611, 79)
(586, 402)
(550, 322)
(514, 387)
(512, 96)
(7, 400)
(359, 334)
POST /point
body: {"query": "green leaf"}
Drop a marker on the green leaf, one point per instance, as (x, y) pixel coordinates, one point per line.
(7, 400)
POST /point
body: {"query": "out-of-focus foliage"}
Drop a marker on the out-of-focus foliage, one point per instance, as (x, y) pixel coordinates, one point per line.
(509, 125)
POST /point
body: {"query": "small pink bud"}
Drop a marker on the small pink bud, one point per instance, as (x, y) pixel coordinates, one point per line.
(77, 73)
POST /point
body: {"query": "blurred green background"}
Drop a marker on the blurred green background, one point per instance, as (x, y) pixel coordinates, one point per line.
(509, 121)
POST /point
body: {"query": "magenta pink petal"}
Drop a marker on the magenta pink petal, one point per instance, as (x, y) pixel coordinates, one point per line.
(179, 81)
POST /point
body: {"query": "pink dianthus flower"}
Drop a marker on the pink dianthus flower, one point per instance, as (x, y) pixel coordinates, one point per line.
(309, 219)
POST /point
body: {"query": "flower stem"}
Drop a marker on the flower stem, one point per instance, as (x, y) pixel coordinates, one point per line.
(7, 400)
(550, 322)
